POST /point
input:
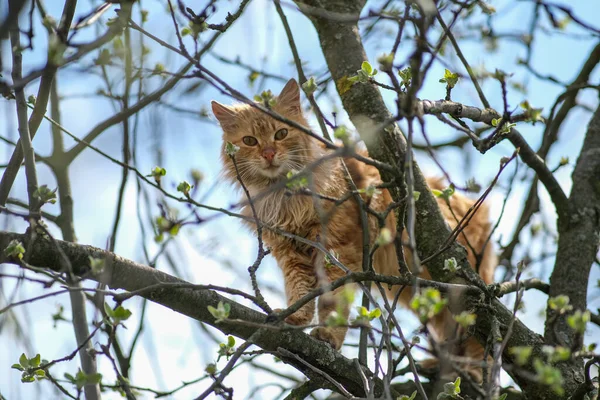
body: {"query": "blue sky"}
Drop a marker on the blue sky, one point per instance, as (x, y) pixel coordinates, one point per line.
(173, 348)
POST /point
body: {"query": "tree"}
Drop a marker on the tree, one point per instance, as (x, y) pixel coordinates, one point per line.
(144, 68)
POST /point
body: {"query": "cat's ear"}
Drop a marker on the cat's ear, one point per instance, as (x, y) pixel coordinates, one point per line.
(224, 114)
(289, 98)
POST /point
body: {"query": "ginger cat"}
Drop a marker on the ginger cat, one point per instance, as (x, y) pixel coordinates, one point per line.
(268, 150)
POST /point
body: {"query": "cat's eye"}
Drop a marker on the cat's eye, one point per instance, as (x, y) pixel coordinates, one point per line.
(249, 141)
(281, 134)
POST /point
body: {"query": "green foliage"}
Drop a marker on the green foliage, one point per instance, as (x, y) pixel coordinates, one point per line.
(505, 127)
(369, 191)
(521, 354)
(197, 176)
(405, 77)
(296, 181)
(310, 86)
(194, 29)
(560, 304)
(30, 368)
(444, 194)
(159, 69)
(364, 74)
(82, 379)
(31, 100)
(428, 304)
(104, 58)
(252, 77)
(165, 225)
(451, 391)
(341, 133)
(330, 259)
(533, 114)
(231, 149)
(465, 319)
(450, 79)
(405, 397)
(226, 349)
(336, 319)
(157, 173)
(416, 195)
(96, 265)
(556, 354)
(451, 265)
(220, 313)
(365, 316)
(15, 249)
(58, 315)
(211, 369)
(472, 186)
(184, 187)
(385, 237)
(386, 61)
(486, 8)
(117, 315)
(548, 375)
(266, 98)
(45, 195)
(578, 321)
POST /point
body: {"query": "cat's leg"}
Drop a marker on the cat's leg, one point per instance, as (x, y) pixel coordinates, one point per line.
(336, 300)
(300, 279)
(328, 303)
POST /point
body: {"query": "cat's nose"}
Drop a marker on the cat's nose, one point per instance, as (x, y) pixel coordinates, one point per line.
(268, 154)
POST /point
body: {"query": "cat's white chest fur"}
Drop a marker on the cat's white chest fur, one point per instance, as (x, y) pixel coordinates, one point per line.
(289, 212)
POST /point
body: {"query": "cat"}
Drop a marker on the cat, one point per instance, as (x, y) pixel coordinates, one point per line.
(267, 150)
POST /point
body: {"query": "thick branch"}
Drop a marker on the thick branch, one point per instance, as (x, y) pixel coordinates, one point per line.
(128, 275)
(344, 53)
(578, 242)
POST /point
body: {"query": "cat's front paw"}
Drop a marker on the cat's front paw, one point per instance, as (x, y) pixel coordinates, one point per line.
(328, 336)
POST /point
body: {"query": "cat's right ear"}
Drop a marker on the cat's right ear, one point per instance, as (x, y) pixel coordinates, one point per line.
(225, 115)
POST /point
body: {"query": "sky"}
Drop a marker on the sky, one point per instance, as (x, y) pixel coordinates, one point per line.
(173, 348)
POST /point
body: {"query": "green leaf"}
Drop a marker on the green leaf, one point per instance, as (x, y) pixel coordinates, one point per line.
(45, 195)
(231, 149)
(211, 369)
(341, 133)
(310, 86)
(405, 397)
(578, 321)
(24, 361)
(560, 304)
(17, 366)
(521, 354)
(230, 341)
(35, 361)
(104, 58)
(465, 319)
(416, 195)
(451, 265)
(385, 237)
(386, 61)
(15, 249)
(184, 187)
(366, 67)
(253, 76)
(428, 304)
(96, 265)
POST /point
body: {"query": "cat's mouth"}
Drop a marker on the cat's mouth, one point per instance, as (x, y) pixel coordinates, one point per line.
(272, 171)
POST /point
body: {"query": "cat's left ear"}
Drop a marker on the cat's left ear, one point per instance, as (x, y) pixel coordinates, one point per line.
(289, 98)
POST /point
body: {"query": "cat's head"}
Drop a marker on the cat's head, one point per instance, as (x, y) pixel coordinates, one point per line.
(268, 149)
